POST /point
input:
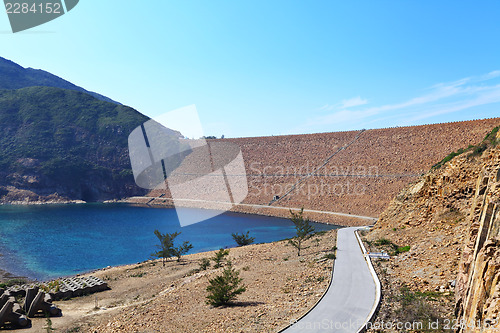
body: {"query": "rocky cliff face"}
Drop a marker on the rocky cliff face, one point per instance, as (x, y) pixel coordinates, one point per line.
(450, 219)
(478, 281)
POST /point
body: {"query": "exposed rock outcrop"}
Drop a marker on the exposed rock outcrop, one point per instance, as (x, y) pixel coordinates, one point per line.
(450, 218)
(478, 281)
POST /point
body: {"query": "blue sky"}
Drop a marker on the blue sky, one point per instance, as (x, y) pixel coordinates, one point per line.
(278, 67)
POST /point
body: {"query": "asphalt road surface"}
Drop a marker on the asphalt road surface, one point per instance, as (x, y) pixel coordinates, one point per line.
(351, 296)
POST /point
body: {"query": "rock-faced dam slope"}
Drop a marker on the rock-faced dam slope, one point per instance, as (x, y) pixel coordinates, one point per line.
(364, 169)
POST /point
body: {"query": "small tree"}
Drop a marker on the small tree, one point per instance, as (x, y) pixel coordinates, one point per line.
(167, 248)
(243, 239)
(224, 288)
(181, 250)
(204, 264)
(219, 258)
(304, 230)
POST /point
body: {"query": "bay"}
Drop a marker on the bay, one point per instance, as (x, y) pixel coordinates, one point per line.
(49, 241)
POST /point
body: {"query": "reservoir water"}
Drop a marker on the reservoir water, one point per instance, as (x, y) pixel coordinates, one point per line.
(46, 242)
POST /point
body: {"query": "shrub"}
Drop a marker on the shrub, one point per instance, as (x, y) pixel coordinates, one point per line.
(383, 241)
(181, 250)
(478, 150)
(53, 286)
(403, 249)
(243, 239)
(416, 308)
(167, 248)
(204, 264)
(224, 288)
(13, 282)
(219, 258)
(330, 256)
(304, 230)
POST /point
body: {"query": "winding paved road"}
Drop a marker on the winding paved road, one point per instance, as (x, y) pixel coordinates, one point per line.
(349, 301)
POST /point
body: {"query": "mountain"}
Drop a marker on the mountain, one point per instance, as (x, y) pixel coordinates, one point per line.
(59, 145)
(13, 76)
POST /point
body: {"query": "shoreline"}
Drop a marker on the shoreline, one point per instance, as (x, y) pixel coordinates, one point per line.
(6, 275)
(316, 216)
(281, 286)
(42, 203)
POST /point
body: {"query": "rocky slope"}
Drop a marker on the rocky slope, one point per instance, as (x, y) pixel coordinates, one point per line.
(448, 221)
(361, 179)
(478, 282)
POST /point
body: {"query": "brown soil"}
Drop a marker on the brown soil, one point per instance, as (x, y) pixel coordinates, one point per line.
(147, 297)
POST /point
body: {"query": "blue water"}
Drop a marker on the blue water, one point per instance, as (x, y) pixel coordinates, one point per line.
(45, 242)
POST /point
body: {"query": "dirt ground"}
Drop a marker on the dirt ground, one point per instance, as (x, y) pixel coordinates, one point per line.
(148, 297)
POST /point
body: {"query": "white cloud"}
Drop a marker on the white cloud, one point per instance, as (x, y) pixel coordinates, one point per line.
(352, 102)
(490, 75)
(440, 99)
(346, 103)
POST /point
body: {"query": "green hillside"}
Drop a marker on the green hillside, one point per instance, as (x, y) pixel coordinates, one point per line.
(65, 143)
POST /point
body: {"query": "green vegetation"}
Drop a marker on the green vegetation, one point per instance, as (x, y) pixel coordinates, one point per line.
(52, 286)
(48, 328)
(417, 307)
(243, 239)
(390, 247)
(204, 264)
(67, 139)
(304, 230)
(403, 249)
(225, 288)
(139, 274)
(181, 250)
(13, 282)
(167, 248)
(13, 76)
(489, 140)
(219, 257)
(382, 241)
(330, 256)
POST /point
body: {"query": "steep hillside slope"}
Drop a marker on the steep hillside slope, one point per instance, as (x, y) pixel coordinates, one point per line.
(448, 222)
(13, 76)
(361, 179)
(58, 144)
